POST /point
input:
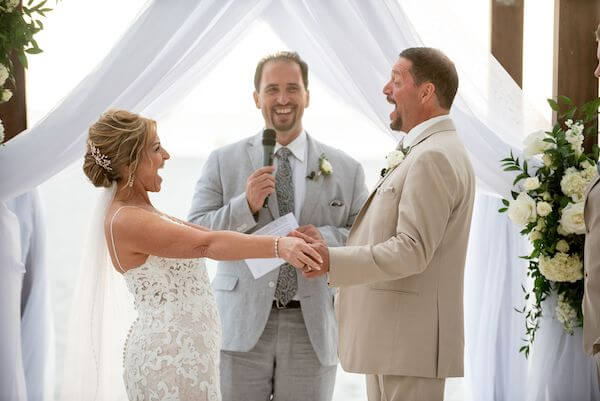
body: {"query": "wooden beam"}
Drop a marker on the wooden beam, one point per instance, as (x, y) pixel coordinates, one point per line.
(507, 36)
(575, 22)
(14, 112)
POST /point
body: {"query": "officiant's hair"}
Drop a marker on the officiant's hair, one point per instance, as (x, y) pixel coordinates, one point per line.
(431, 65)
(119, 136)
(291, 57)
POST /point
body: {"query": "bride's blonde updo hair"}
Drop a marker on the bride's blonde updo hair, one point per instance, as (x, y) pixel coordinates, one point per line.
(115, 141)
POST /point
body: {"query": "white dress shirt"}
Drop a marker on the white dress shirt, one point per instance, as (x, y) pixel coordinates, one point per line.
(420, 128)
(299, 167)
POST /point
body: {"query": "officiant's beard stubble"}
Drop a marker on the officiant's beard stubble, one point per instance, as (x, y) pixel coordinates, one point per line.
(396, 121)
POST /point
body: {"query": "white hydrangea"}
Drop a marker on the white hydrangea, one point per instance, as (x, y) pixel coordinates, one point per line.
(6, 95)
(562, 246)
(571, 219)
(573, 184)
(531, 183)
(589, 173)
(522, 210)
(561, 267)
(1, 132)
(3, 74)
(535, 145)
(11, 5)
(566, 314)
(543, 209)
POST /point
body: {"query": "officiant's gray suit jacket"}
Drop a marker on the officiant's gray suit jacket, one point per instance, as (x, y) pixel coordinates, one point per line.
(331, 203)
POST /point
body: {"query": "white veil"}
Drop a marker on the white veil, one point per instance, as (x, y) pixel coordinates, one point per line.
(101, 314)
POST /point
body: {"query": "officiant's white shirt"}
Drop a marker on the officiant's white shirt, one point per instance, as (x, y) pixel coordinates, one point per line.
(299, 169)
(420, 128)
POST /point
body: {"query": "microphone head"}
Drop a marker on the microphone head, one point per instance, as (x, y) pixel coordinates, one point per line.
(268, 137)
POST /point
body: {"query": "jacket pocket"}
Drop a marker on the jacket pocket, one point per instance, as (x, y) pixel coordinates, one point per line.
(224, 282)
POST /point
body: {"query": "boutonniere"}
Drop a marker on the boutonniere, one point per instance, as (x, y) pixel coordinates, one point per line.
(325, 168)
(394, 158)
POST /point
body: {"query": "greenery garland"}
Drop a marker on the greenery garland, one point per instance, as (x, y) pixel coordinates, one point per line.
(18, 25)
(548, 205)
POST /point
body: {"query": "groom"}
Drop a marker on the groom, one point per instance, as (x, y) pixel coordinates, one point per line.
(279, 330)
(400, 301)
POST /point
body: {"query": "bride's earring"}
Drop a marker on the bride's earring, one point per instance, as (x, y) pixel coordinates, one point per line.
(130, 180)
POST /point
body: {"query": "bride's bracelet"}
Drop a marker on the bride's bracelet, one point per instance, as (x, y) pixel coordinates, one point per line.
(277, 247)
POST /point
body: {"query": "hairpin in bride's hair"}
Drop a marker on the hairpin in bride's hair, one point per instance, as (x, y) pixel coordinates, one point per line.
(100, 159)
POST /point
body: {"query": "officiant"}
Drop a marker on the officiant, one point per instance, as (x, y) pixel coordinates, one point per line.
(279, 330)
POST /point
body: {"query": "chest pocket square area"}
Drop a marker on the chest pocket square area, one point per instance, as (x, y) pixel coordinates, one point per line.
(336, 203)
(386, 191)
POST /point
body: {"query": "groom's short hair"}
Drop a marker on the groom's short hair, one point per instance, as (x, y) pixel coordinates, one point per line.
(291, 57)
(431, 65)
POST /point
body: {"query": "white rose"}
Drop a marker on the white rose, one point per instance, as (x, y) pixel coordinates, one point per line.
(573, 184)
(543, 209)
(394, 158)
(535, 235)
(3, 74)
(534, 144)
(531, 183)
(1, 132)
(561, 267)
(562, 246)
(571, 219)
(561, 231)
(6, 95)
(326, 167)
(522, 210)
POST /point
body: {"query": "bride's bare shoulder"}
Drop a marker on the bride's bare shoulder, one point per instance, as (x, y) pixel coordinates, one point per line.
(121, 215)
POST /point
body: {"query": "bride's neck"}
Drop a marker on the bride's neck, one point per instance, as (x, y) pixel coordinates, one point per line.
(134, 195)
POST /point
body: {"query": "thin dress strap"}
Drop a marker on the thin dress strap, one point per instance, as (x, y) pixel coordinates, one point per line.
(112, 238)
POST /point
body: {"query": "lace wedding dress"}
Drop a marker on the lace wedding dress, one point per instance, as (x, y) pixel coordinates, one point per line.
(172, 349)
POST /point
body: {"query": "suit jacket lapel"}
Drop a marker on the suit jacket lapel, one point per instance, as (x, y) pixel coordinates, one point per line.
(445, 125)
(313, 187)
(255, 153)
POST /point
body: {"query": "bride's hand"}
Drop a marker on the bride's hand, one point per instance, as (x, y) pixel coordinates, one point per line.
(299, 254)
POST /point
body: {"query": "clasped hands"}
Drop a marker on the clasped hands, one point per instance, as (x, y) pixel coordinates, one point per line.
(311, 235)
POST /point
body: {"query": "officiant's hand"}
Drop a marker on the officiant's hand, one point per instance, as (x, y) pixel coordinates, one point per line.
(321, 248)
(258, 186)
(299, 254)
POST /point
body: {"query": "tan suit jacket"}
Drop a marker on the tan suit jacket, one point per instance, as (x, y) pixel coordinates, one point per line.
(400, 301)
(591, 266)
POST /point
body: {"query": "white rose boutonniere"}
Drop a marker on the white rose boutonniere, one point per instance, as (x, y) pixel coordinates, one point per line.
(325, 168)
(394, 159)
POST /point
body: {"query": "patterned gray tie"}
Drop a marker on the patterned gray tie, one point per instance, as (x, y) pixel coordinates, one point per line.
(287, 283)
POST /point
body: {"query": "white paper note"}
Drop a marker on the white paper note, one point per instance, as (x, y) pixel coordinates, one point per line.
(279, 228)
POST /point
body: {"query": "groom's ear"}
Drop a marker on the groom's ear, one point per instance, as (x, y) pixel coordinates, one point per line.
(256, 99)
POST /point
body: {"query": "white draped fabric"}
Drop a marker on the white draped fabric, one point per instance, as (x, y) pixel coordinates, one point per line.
(351, 47)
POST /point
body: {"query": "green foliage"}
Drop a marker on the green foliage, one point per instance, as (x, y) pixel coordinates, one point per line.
(563, 152)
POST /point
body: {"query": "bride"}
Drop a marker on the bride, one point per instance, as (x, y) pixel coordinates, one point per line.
(172, 349)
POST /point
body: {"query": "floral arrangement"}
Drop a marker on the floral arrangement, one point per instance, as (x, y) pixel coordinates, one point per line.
(548, 205)
(18, 25)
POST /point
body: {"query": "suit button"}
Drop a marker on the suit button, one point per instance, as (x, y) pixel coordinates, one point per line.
(271, 284)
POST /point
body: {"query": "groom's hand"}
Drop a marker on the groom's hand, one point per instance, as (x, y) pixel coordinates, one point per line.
(258, 186)
(319, 246)
(311, 231)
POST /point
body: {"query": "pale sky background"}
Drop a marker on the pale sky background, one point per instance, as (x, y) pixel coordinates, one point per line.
(220, 110)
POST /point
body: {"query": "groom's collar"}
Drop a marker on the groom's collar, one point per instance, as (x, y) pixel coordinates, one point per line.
(416, 131)
(440, 125)
(297, 146)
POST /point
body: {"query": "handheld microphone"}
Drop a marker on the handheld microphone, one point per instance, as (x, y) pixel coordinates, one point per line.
(268, 142)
